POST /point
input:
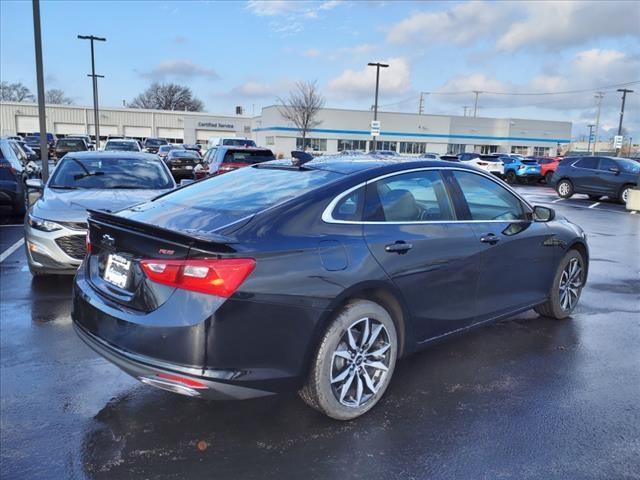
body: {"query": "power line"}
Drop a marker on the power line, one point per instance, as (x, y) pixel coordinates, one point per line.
(566, 92)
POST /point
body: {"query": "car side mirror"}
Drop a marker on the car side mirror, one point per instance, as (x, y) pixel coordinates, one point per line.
(615, 170)
(35, 184)
(186, 181)
(543, 214)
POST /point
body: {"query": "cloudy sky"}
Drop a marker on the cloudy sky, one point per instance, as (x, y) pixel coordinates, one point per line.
(248, 53)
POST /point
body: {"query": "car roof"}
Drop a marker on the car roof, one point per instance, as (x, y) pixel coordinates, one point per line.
(353, 164)
(122, 140)
(111, 154)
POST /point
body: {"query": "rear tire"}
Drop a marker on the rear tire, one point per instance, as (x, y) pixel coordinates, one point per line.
(511, 177)
(566, 287)
(354, 362)
(624, 194)
(564, 188)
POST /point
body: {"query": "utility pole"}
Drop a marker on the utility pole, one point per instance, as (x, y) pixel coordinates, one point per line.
(421, 105)
(624, 92)
(42, 114)
(378, 66)
(599, 96)
(465, 107)
(475, 104)
(590, 134)
(96, 116)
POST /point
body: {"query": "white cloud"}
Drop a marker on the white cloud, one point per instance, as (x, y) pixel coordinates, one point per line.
(462, 24)
(273, 8)
(557, 24)
(529, 25)
(254, 89)
(179, 68)
(288, 15)
(312, 52)
(395, 80)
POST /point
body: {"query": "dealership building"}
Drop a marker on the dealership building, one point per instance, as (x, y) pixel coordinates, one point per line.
(337, 129)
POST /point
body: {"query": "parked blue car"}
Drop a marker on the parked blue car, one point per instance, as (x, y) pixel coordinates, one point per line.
(517, 168)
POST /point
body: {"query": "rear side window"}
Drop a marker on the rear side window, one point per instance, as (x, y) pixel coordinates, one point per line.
(409, 197)
(587, 162)
(487, 200)
(349, 208)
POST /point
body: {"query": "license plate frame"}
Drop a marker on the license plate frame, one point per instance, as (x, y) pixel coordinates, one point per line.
(117, 270)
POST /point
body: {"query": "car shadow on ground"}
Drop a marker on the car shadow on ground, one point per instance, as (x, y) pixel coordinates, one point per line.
(439, 395)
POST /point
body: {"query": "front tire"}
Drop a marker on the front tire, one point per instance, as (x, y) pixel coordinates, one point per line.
(564, 188)
(566, 288)
(624, 194)
(354, 363)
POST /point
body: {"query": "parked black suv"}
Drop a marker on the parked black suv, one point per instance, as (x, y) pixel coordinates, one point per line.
(12, 178)
(152, 145)
(182, 163)
(597, 177)
(67, 145)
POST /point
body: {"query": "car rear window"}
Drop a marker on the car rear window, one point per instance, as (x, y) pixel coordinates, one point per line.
(111, 172)
(239, 142)
(226, 198)
(71, 143)
(154, 142)
(248, 157)
(123, 146)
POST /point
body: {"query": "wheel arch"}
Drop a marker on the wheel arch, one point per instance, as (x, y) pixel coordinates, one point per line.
(379, 292)
(582, 249)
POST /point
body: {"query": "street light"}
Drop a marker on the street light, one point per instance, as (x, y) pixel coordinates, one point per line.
(96, 120)
(590, 134)
(378, 66)
(624, 92)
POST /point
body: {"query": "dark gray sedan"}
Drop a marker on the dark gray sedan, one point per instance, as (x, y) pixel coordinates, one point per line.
(55, 226)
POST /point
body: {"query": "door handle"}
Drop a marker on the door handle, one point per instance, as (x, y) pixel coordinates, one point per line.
(398, 247)
(490, 238)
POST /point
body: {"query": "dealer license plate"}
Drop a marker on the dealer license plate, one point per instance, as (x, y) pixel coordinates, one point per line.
(117, 270)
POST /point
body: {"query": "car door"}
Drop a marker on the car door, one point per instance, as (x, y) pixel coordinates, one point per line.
(518, 259)
(584, 175)
(609, 181)
(433, 260)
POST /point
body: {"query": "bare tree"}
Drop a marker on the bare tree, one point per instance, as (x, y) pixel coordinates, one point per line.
(167, 96)
(15, 92)
(55, 96)
(301, 108)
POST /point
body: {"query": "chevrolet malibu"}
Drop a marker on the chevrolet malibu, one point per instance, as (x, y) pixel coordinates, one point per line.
(56, 225)
(316, 276)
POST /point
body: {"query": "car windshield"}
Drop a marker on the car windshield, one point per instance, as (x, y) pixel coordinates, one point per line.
(121, 146)
(71, 143)
(154, 142)
(183, 154)
(100, 172)
(239, 142)
(248, 157)
(32, 140)
(166, 148)
(628, 166)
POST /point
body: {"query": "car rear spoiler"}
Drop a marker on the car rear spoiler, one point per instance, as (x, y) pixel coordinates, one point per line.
(193, 238)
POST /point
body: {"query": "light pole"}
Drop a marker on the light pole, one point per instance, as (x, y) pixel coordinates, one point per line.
(378, 66)
(590, 133)
(421, 105)
(599, 96)
(475, 103)
(624, 98)
(44, 141)
(96, 116)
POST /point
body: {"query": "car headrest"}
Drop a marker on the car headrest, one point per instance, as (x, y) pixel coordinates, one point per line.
(400, 205)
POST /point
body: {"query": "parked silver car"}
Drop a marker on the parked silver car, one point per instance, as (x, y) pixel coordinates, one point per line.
(55, 225)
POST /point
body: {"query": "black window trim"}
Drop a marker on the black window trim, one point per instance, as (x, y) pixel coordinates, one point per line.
(327, 214)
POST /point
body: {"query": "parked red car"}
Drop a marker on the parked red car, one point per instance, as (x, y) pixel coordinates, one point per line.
(548, 165)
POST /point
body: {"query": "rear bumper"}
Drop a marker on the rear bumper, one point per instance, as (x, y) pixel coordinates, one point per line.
(188, 381)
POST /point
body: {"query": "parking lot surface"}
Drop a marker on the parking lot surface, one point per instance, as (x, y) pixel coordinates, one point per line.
(524, 398)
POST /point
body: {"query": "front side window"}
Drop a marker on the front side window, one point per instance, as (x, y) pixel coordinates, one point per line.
(587, 162)
(607, 163)
(487, 200)
(409, 197)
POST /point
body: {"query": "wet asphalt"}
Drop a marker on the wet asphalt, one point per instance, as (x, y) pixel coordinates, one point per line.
(524, 398)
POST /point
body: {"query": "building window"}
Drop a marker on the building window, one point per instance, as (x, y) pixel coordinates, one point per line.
(455, 148)
(413, 147)
(486, 149)
(384, 145)
(315, 144)
(541, 151)
(352, 145)
(270, 140)
(520, 149)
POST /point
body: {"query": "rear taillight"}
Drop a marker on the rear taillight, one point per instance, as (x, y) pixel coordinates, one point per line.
(220, 277)
(87, 242)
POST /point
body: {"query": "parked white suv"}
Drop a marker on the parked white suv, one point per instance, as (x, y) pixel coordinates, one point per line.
(230, 142)
(488, 163)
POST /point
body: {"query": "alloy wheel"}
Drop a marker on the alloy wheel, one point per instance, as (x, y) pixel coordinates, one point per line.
(360, 362)
(570, 284)
(625, 195)
(564, 188)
